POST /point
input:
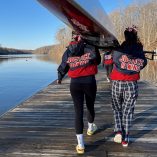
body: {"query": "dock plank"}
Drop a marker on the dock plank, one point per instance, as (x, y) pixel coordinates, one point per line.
(43, 125)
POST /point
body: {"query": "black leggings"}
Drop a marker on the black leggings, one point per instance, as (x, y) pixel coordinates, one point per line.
(78, 92)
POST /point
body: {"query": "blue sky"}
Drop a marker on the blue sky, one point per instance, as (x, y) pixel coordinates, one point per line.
(25, 24)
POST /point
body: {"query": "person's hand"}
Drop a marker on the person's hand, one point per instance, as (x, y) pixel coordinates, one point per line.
(59, 81)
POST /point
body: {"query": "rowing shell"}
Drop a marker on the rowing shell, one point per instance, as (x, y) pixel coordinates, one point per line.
(86, 17)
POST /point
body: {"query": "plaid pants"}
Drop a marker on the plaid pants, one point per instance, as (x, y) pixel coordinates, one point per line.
(124, 96)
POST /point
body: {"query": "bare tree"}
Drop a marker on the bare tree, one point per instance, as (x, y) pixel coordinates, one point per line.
(63, 37)
(143, 14)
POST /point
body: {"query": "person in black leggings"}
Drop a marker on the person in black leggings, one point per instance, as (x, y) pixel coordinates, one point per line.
(78, 92)
(80, 60)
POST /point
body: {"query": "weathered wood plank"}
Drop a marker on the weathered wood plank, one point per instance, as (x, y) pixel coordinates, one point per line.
(43, 125)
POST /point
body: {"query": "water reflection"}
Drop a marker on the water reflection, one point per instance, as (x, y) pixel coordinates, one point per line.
(22, 76)
(49, 58)
(5, 58)
(46, 58)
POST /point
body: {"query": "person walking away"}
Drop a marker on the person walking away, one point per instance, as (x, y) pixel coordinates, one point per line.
(80, 60)
(129, 60)
(108, 63)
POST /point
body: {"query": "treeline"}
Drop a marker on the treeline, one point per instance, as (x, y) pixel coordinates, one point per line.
(44, 50)
(41, 50)
(142, 14)
(10, 51)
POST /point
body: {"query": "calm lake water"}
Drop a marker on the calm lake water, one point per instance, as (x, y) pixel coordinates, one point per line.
(21, 76)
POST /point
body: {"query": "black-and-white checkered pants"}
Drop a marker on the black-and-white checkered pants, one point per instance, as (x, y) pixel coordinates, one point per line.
(124, 96)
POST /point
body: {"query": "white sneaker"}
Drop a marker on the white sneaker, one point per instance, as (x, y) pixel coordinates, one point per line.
(80, 150)
(93, 130)
(118, 137)
(108, 80)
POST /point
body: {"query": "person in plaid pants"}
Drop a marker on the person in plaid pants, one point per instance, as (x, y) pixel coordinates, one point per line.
(128, 61)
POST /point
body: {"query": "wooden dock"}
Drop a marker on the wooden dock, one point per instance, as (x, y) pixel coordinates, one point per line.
(43, 125)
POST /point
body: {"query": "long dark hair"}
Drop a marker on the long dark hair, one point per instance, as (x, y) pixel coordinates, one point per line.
(131, 36)
(132, 44)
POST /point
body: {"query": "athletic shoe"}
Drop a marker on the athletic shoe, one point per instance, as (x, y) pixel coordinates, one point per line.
(79, 150)
(108, 80)
(118, 137)
(125, 142)
(94, 129)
